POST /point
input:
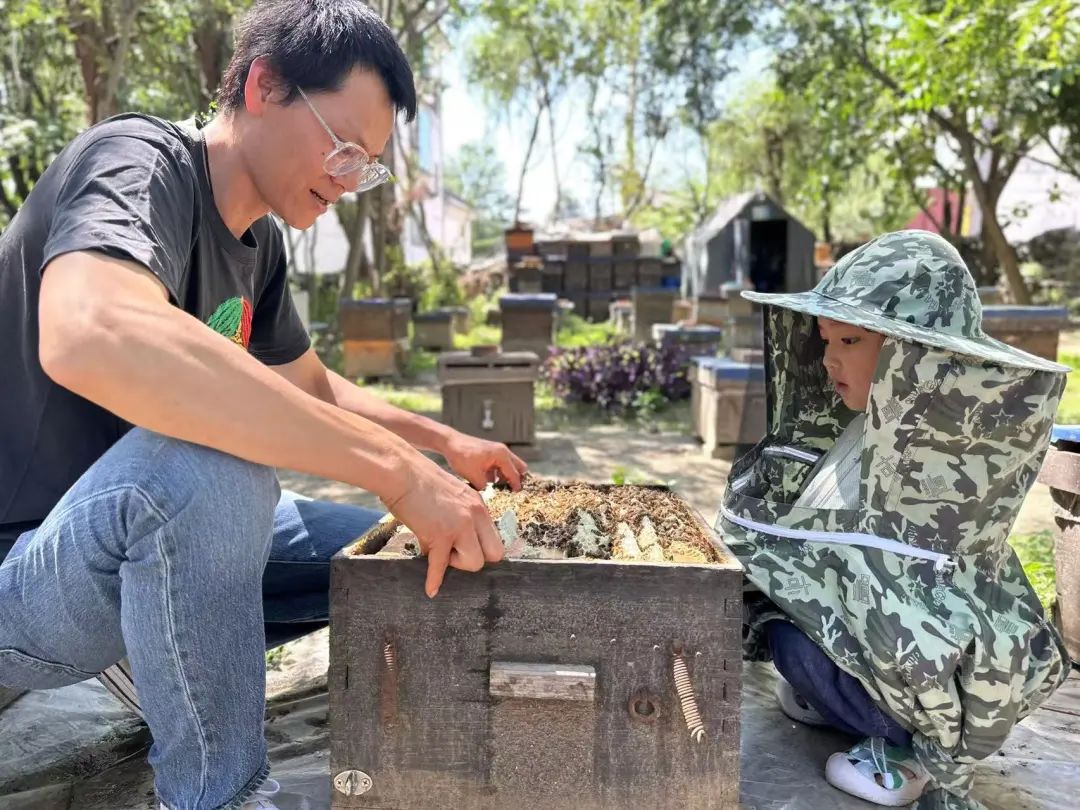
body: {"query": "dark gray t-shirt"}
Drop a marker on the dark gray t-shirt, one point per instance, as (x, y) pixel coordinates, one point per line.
(136, 188)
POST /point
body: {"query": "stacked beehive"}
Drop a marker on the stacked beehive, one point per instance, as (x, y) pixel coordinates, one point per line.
(591, 271)
(375, 335)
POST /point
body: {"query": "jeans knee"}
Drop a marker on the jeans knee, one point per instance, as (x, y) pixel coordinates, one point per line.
(215, 494)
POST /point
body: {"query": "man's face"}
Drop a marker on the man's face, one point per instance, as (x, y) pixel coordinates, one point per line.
(851, 355)
(286, 145)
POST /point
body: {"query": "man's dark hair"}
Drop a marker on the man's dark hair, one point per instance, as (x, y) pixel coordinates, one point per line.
(313, 45)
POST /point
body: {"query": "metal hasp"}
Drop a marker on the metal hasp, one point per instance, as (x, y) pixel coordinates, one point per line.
(353, 783)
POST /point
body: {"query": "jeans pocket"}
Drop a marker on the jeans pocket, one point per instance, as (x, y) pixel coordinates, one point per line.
(24, 671)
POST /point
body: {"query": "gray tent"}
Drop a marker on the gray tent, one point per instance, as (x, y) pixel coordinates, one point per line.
(752, 242)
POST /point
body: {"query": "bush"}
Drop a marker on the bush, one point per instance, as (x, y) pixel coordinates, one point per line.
(621, 377)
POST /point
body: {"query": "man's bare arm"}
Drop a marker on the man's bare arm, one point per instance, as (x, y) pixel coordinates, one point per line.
(108, 333)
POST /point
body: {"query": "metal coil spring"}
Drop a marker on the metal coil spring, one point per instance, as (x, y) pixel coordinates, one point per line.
(389, 657)
(685, 689)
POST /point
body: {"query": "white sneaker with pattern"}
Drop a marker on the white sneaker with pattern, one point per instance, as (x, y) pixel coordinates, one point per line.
(262, 799)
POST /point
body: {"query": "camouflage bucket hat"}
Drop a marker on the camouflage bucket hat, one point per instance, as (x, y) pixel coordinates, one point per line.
(910, 285)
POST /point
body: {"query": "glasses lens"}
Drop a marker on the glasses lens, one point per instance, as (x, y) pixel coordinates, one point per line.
(345, 160)
(374, 174)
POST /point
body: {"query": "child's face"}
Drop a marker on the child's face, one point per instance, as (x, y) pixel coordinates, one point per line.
(851, 355)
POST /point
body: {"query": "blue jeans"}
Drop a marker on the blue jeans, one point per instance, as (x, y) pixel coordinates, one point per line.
(174, 555)
(837, 696)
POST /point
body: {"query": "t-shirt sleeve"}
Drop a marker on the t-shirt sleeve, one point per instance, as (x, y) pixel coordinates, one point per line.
(277, 333)
(130, 198)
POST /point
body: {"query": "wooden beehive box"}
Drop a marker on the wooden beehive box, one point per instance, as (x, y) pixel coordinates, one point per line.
(600, 275)
(599, 306)
(543, 683)
(624, 274)
(650, 272)
(1035, 330)
(526, 276)
(434, 330)
(551, 279)
(727, 405)
(528, 322)
(621, 316)
(651, 305)
(708, 338)
(711, 309)
(374, 358)
(626, 245)
(373, 319)
(1061, 472)
(490, 394)
(576, 276)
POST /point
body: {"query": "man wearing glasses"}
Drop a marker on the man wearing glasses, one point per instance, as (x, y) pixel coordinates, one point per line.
(143, 285)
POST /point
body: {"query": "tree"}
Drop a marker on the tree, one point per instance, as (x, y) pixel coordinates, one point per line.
(477, 175)
(978, 74)
(524, 57)
(70, 63)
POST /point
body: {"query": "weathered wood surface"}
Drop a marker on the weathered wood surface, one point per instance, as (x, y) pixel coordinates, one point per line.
(410, 695)
(510, 679)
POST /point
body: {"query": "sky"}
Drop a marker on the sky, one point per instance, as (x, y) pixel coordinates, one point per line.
(466, 119)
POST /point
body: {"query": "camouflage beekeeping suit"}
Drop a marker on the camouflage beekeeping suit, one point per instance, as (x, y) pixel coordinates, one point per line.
(917, 593)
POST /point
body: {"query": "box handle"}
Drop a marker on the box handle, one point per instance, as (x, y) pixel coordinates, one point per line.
(511, 679)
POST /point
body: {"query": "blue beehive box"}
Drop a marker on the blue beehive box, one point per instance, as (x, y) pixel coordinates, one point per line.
(728, 405)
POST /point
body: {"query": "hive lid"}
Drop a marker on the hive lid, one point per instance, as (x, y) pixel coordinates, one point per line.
(1066, 433)
(698, 330)
(433, 315)
(1040, 312)
(528, 301)
(724, 368)
(495, 359)
(370, 303)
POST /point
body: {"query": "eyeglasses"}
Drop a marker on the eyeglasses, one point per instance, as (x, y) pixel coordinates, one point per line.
(348, 157)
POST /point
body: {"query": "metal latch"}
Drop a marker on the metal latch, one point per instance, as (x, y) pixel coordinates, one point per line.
(353, 783)
(489, 420)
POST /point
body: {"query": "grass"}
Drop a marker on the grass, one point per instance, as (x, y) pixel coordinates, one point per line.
(423, 400)
(1036, 553)
(276, 657)
(1069, 409)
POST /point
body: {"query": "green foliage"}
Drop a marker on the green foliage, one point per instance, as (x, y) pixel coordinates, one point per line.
(575, 332)
(276, 658)
(1036, 553)
(477, 175)
(1069, 409)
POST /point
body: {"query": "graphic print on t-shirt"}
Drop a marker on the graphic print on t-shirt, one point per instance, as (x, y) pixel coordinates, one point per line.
(233, 320)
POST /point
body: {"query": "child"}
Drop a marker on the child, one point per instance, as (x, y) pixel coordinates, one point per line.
(874, 515)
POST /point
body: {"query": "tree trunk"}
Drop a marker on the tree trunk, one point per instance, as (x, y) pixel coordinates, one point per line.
(826, 216)
(987, 191)
(101, 48)
(525, 162)
(554, 156)
(353, 218)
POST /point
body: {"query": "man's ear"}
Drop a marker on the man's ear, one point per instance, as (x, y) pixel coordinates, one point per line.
(259, 87)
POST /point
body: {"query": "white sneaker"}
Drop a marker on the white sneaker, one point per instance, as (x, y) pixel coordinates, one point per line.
(795, 706)
(261, 800)
(878, 772)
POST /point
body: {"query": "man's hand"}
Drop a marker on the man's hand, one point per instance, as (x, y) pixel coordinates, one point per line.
(450, 522)
(480, 462)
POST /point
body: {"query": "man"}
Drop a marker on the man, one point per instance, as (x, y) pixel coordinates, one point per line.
(143, 284)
